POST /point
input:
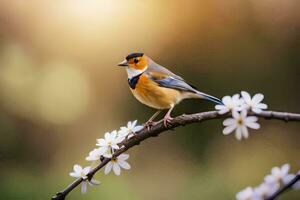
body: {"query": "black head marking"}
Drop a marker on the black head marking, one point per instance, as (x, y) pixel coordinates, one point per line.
(134, 55)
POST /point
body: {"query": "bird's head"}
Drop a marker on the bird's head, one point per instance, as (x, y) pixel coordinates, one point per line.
(135, 64)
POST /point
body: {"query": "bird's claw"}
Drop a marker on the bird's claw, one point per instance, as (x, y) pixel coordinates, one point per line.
(168, 121)
(149, 124)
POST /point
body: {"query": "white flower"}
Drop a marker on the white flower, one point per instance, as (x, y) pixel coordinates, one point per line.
(265, 190)
(85, 183)
(254, 103)
(230, 104)
(116, 164)
(130, 129)
(109, 143)
(239, 123)
(278, 174)
(80, 172)
(246, 194)
(270, 186)
(95, 154)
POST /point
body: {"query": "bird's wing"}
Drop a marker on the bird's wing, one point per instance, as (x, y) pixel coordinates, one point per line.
(158, 69)
(166, 78)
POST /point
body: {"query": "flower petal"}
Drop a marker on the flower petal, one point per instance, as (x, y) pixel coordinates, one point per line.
(117, 169)
(246, 194)
(101, 142)
(124, 164)
(226, 100)
(86, 170)
(258, 98)
(94, 182)
(235, 114)
(115, 146)
(102, 150)
(244, 114)
(238, 133)
(285, 168)
(245, 132)
(113, 134)
(256, 110)
(262, 106)
(251, 119)
(246, 96)
(107, 136)
(90, 158)
(219, 107)
(119, 139)
(229, 121)
(84, 187)
(123, 156)
(227, 130)
(223, 110)
(107, 155)
(244, 106)
(275, 171)
(137, 129)
(108, 167)
(270, 179)
(77, 168)
(287, 179)
(235, 97)
(133, 124)
(253, 125)
(73, 174)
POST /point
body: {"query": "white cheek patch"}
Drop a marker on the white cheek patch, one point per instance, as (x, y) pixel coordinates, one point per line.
(134, 72)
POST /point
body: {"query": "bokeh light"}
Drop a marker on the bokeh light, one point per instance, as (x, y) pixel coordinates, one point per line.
(63, 93)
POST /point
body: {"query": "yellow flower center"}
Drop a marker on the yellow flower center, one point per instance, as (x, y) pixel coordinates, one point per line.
(240, 121)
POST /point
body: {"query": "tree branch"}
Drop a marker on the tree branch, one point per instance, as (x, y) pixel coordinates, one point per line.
(157, 129)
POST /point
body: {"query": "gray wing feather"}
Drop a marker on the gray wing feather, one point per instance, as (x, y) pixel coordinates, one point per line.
(175, 82)
(171, 82)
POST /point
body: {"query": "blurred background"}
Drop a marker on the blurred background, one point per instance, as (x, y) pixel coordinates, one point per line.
(60, 89)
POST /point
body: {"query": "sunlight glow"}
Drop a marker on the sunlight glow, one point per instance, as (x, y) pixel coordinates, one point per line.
(92, 9)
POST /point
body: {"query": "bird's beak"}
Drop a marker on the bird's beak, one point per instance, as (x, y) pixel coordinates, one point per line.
(124, 63)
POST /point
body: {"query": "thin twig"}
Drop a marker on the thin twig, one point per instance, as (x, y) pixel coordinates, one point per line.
(157, 129)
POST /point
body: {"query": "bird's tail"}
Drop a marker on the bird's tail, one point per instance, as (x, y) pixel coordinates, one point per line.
(210, 98)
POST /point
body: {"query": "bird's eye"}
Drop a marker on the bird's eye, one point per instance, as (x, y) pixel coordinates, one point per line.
(135, 60)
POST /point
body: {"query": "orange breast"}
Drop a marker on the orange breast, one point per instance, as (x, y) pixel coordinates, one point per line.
(150, 93)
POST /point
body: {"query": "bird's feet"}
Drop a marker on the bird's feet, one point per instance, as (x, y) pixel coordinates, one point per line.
(149, 124)
(167, 120)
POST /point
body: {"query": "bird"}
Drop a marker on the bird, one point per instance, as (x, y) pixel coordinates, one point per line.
(158, 87)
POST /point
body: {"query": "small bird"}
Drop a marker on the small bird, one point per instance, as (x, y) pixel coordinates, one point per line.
(157, 87)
